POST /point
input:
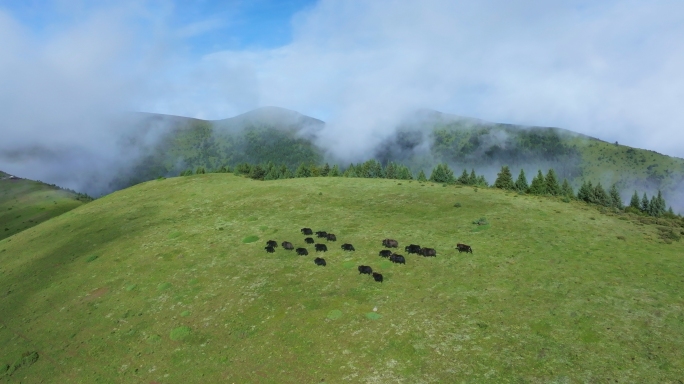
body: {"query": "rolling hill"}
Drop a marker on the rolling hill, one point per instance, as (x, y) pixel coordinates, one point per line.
(423, 140)
(168, 282)
(26, 203)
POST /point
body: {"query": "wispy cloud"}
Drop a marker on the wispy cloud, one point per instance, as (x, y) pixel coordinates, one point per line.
(201, 27)
(610, 69)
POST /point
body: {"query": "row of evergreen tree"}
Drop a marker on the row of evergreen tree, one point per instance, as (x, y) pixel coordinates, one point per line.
(369, 169)
(541, 184)
(549, 185)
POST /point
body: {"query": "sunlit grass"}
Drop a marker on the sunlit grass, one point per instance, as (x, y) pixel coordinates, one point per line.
(547, 296)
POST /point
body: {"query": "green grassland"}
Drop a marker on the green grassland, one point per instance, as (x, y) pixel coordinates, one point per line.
(26, 203)
(168, 282)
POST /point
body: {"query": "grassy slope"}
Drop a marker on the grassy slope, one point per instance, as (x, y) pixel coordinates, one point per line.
(25, 203)
(549, 293)
(609, 164)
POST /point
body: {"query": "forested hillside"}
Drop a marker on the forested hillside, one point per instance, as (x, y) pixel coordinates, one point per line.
(288, 138)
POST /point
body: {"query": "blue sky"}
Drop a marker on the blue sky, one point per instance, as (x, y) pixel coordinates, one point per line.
(212, 25)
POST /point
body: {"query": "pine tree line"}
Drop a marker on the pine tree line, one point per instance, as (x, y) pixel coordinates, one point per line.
(549, 185)
(541, 184)
(369, 169)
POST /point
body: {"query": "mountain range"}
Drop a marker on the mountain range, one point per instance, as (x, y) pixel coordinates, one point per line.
(422, 140)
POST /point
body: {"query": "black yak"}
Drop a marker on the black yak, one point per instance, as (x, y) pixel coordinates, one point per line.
(348, 247)
(319, 261)
(389, 243)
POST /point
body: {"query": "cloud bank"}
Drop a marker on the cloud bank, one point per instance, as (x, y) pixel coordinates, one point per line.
(611, 69)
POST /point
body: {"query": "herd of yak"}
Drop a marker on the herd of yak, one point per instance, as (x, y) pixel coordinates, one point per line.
(271, 245)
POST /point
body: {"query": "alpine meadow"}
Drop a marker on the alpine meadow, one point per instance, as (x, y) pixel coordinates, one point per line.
(168, 281)
(341, 191)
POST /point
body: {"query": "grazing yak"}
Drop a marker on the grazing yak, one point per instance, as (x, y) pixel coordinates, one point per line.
(319, 261)
(428, 252)
(389, 243)
(377, 277)
(348, 247)
(269, 249)
(309, 240)
(365, 269)
(307, 231)
(287, 245)
(385, 253)
(331, 237)
(322, 234)
(302, 251)
(321, 248)
(272, 243)
(464, 248)
(413, 248)
(399, 259)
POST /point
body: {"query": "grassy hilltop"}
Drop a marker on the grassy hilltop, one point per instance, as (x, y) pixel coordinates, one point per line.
(25, 203)
(168, 282)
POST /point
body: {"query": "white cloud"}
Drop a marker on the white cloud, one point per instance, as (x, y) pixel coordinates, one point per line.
(611, 69)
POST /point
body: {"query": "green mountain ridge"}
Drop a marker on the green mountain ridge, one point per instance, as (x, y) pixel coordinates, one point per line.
(27, 203)
(425, 139)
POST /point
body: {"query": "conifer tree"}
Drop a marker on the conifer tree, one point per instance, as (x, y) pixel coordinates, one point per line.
(615, 199)
(652, 209)
(521, 184)
(405, 173)
(442, 174)
(600, 196)
(272, 174)
(481, 181)
(670, 212)
(635, 202)
(351, 171)
(200, 171)
(421, 176)
(363, 169)
(314, 171)
(287, 174)
(243, 169)
(472, 179)
(538, 186)
(566, 189)
(644, 203)
(375, 169)
(269, 166)
(325, 171)
(657, 205)
(552, 186)
(585, 191)
(257, 172)
(335, 171)
(463, 179)
(504, 179)
(303, 171)
(391, 171)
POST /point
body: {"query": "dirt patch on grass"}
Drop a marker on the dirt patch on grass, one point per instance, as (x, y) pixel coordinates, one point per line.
(96, 294)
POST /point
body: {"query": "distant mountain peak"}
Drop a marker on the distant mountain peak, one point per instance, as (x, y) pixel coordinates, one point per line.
(269, 116)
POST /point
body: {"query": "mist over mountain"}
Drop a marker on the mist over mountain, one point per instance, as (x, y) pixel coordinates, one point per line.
(153, 145)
